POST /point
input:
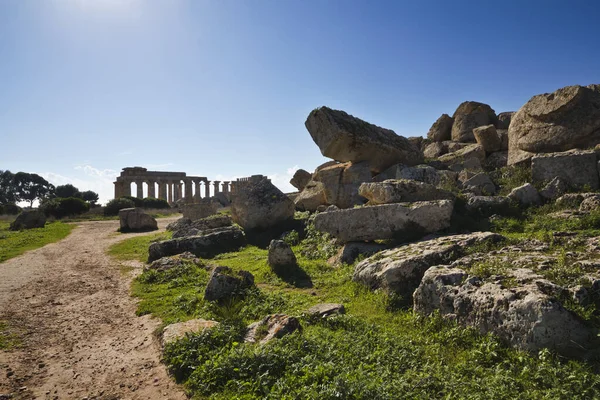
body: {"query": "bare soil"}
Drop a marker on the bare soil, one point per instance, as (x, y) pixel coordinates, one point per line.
(70, 307)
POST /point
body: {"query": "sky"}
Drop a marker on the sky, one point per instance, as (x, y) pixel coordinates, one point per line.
(222, 88)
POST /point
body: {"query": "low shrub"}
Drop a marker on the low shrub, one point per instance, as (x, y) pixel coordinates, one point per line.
(10, 209)
(151, 202)
(113, 206)
(63, 207)
(137, 202)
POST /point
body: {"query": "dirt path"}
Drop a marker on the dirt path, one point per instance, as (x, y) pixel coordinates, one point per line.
(81, 339)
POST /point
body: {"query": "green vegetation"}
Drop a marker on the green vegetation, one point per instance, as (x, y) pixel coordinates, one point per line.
(60, 207)
(376, 351)
(136, 248)
(8, 339)
(16, 243)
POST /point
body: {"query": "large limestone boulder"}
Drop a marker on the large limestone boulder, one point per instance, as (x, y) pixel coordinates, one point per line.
(421, 173)
(400, 269)
(577, 168)
(401, 190)
(566, 119)
(202, 226)
(224, 283)
(504, 119)
(554, 189)
(386, 221)
(473, 151)
(209, 245)
(174, 332)
(488, 138)
(200, 210)
(300, 179)
(488, 205)
(434, 150)
(342, 181)
(527, 315)
(350, 252)
(345, 138)
(261, 205)
(441, 129)
(480, 184)
(468, 116)
(28, 220)
(311, 197)
(135, 220)
(526, 195)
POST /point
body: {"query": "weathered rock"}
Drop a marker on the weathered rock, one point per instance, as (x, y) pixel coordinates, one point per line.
(202, 226)
(386, 221)
(225, 240)
(488, 205)
(578, 168)
(179, 330)
(341, 183)
(480, 184)
(421, 173)
(488, 138)
(590, 203)
(350, 252)
(271, 327)
(566, 119)
(504, 119)
(311, 197)
(573, 200)
(179, 224)
(400, 269)
(554, 189)
(441, 129)
(435, 149)
(468, 116)
(455, 146)
(345, 138)
(28, 220)
(135, 220)
(167, 263)
(261, 205)
(473, 151)
(200, 210)
(527, 316)
(281, 254)
(496, 160)
(300, 179)
(526, 195)
(401, 190)
(418, 141)
(223, 283)
(325, 310)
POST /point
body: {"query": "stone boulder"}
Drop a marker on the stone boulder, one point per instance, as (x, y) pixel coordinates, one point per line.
(473, 151)
(172, 333)
(202, 226)
(577, 168)
(200, 210)
(554, 189)
(421, 173)
(526, 315)
(345, 138)
(341, 183)
(434, 150)
(480, 184)
(488, 138)
(261, 205)
(488, 205)
(399, 221)
(566, 119)
(496, 160)
(167, 263)
(590, 203)
(209, 245)
(300, 179)
(573, 200)
(350, 252)
(325, 310)
(526, 195)
(400, 270)
(311, 197)
(271, 327)
(401, 190)
(441, 129)
(28, 220)
(504, 119)
(223, 283)
(179, 224)
(468, 116)
(135, 220)
(281, 255)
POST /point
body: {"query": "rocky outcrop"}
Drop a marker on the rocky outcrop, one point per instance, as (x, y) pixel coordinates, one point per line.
(201, 226)
(400, 269)
(341, 183)
(200, 210)
(350, 252)
(179, 224)
(526, 315)
(388, 221)
(311, 197)
(441, 129)
(135, 220)
(223, 283)
(504, 119)
(473, 151)
(401, 190)
(271, 327)
(28, 220)
(434, 150)
(468, 116)
(554, 189)
(480, 185)
(343, 137)
(488, 138)
(300, 179)
(172, 333)
(261, 205)
(281, 255)
(205, 246)
(526, 195)
(566, 119)
(167, 263)
(421, 173)
(577, 168)
(488, 205)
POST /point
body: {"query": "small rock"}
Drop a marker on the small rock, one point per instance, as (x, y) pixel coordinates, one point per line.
(281, 254)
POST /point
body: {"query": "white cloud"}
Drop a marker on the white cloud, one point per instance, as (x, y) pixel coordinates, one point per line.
(85, 178)
(282, 181)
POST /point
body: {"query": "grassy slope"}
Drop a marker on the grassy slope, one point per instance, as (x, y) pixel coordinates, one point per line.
(16, 243)
(376, 351)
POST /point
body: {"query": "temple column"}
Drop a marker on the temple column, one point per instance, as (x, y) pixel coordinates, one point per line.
(189, 195)
(197, 194)
(226, 189)
(179, 190)
(175, 191)
(207, 189)
(140, 189)
(118, 189)
(171, 185)
(162, 190)
(217, 185)
(151, 189)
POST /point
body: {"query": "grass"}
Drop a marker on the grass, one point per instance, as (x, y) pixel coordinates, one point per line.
(15, 243)
(8, 340)
(376, 351)
(136, 248)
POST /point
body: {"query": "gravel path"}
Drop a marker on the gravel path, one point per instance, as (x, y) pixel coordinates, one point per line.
(70, 305)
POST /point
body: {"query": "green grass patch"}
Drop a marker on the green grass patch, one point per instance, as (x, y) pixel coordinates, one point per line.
(15, 243)
(8, 339)
(136, 248)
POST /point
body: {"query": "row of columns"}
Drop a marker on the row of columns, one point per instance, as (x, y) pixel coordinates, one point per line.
(173, 190)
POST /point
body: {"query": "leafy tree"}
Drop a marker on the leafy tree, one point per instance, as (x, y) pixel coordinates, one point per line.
(7, 188)
(90, 197)
(67, 190)
(62, 207)
(113, 206)
(30, 187)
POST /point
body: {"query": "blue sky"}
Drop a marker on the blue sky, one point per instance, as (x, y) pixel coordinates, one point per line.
(222, 88)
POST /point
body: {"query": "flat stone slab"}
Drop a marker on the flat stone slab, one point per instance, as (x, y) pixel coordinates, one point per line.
(177, 331)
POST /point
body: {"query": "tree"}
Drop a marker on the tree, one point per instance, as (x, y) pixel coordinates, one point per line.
(66, 191)
(91, 197)
(30, 187)
(7, 188)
